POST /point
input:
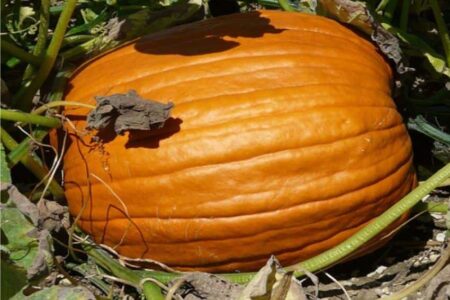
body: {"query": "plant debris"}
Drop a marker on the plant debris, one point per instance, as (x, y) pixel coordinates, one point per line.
(128, 112)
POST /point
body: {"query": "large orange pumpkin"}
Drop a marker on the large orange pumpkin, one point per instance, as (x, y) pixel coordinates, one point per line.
(284, 140)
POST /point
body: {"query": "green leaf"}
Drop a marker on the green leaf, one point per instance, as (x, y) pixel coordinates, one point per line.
(21, 247)
(13, 279)
(60, 292)
(5, 176)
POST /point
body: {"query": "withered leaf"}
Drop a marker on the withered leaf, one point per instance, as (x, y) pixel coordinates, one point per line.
(128, 112)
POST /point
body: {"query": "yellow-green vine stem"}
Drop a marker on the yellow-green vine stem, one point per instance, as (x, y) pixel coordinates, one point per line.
(24, 98)
(342, 250)
(32, 164)
(18, 116)
(19, 53)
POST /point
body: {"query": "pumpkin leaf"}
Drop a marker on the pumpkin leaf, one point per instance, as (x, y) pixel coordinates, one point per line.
(128, 112)
(60, 292)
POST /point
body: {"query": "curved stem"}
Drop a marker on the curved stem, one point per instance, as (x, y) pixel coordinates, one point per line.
(23, 99)
(18, 116)
(45, 107)
(19, 53)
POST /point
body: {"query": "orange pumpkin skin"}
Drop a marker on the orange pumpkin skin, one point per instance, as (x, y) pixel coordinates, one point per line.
(284, 140)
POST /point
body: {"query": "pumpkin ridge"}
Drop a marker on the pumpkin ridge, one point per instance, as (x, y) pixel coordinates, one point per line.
(236, 59)
(271, 113)
(298, 205)
(254, 156)
(223, 76)
(249, 92)
(233, 262)
(274, 89)
(314, 224)
(226, 57)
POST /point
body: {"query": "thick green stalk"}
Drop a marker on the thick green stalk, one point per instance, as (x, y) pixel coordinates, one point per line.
(23, 99)
(442, 29)
(32, 164)
(18, 116)
(41, 43)
(19, 53)
(390, 10)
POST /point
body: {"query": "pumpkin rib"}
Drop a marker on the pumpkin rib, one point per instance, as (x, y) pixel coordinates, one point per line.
(306, 109)
(280, 89)
(397, 125)
(317, 226)
(288, 257)
(246, 57)
(405, 161)
(223, 76)
(238, 239)
(249, 93)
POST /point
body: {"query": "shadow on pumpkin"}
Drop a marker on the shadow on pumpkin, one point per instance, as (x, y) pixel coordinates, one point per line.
(190, 40)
